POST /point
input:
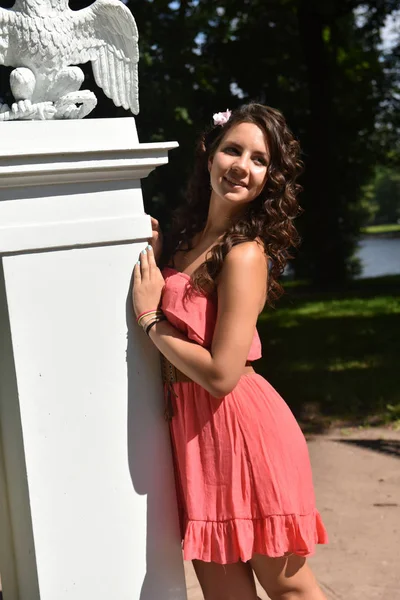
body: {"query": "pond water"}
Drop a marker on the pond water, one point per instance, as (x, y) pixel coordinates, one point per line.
(379, 256)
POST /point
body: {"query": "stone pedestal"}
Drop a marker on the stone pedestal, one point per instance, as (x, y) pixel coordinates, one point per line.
(87, 505)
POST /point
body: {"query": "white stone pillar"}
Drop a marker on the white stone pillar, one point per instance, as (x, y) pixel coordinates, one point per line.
(87, 505)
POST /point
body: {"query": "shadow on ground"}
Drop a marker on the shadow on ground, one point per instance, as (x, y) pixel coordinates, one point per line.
(391, 447)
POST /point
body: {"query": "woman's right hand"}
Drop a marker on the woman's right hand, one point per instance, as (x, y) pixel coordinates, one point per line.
(156, 240)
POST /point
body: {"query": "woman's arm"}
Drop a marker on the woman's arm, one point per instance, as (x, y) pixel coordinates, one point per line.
(241, 297)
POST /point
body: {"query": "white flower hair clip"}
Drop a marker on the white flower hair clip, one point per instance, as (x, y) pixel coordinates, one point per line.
(222, 117)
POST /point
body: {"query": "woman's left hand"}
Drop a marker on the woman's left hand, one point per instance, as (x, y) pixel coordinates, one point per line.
(148, 283)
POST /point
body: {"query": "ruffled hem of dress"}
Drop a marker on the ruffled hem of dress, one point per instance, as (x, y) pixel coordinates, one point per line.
(226, 542)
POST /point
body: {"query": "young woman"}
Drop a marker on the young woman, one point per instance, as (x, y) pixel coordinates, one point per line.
(243, 474)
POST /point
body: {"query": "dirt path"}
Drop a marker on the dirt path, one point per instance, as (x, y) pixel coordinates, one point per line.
(357, 481)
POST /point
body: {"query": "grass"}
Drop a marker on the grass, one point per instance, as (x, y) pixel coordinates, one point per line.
(336, 355)
(381, 229)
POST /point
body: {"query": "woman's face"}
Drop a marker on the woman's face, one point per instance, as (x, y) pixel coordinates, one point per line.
(238, 169)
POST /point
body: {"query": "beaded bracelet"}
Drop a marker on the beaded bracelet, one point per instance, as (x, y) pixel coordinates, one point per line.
(150, 313)
(146, 312)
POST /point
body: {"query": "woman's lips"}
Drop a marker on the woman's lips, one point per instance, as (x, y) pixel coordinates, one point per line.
(232, 182)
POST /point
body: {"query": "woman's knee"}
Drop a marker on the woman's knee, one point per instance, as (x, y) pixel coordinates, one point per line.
(226, 582)
(286, 578)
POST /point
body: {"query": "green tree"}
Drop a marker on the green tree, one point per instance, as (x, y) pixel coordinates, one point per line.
(319, 62)
(383, 196)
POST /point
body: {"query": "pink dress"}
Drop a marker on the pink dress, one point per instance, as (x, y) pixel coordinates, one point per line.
(243, 473)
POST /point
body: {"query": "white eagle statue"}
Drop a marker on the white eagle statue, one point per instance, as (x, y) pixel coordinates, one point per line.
(43, 38)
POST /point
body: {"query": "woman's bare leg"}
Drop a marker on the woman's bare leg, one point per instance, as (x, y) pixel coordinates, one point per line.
(226, 582)
(286, 578)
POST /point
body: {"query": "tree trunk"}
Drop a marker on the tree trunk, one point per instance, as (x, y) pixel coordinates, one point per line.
(323, 247)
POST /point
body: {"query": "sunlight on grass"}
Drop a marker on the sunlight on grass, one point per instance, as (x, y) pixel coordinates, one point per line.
(364, 307)
(381, 228)
(340, 365)
(301, 366)
(332, 309)
(336, 365)
(338, 350)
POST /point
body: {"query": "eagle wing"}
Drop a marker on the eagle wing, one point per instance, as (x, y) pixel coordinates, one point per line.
(106, 34)
(8, 21)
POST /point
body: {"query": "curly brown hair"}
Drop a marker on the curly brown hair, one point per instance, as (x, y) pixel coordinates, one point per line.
(267, 219)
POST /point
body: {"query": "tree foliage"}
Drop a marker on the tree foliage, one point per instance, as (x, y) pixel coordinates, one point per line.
(319, 62)
(382, 197)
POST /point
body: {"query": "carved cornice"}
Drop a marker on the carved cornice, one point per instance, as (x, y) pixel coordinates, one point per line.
(73, 183)
(73, 151)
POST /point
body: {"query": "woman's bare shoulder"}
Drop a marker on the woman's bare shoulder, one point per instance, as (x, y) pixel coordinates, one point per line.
(244, 274)
(247, 255)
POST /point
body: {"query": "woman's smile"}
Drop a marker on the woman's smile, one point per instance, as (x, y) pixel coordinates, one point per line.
(234, 183)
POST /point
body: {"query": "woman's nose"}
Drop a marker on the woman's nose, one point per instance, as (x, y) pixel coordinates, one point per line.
(241, 163)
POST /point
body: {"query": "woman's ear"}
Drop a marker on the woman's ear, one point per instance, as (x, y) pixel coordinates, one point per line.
(209, 164)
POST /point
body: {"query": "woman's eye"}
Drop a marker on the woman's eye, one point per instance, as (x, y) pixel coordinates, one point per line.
(231, 150)
(260, 161)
